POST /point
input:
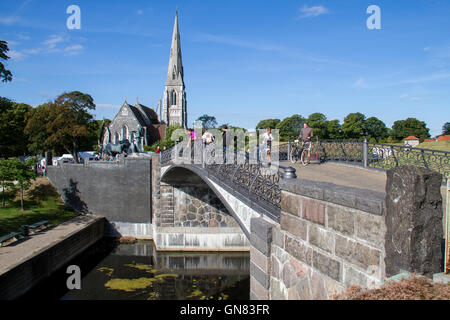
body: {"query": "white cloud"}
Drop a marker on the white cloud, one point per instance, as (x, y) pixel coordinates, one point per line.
(427, 49)
(360, 83)
(53, 41)
(8, 21)
(109, 106)
(16, 55)
(73, 49)
(406, 96)
(311, 12)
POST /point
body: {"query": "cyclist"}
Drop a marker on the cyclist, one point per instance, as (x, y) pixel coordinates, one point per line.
(305, 136)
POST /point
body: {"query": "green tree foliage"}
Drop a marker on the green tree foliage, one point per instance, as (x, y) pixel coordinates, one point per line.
(446, 128)
(334, 130)
(290, 127)
(208, 122)
(13, 142)
(410, 127)
(5, 75)
(268, 123)
(23, 173)
(6, 177)
(354, 126)
(376, 129)
(318, 122)
(68, 124)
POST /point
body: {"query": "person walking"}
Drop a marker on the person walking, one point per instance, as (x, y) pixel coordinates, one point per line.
(267, 144)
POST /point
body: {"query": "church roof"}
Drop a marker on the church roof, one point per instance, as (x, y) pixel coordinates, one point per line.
(138, 115)
(175, 73)
(149, 113)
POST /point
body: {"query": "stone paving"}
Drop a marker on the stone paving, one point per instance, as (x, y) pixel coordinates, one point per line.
(341, 174)
(19, 251)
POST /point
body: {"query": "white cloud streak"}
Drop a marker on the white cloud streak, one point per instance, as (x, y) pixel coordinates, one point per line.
(311, 12)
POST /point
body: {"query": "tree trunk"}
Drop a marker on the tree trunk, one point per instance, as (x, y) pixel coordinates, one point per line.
(75, 152)
(21, 196)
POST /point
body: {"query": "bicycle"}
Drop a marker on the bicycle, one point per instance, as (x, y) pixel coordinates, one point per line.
(295, 152)
(306, 153)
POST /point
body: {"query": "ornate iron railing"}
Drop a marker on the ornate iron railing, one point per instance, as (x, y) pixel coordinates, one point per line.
(255, 180)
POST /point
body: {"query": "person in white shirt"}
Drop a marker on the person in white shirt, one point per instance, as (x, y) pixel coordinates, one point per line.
(267, 144)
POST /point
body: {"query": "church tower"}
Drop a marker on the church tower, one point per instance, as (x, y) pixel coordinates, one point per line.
(174, 101)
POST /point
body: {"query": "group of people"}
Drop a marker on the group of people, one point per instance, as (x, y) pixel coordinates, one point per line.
(208, 139)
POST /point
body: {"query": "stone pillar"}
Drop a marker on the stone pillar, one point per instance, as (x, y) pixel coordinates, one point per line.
(155, 187)
(413, 221)
(260, 250)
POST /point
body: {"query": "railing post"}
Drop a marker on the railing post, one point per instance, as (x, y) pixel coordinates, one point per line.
(289, 173)
(289, 149)
(365, 153)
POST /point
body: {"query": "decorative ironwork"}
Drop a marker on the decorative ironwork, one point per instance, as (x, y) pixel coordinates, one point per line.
(388, 156)
(255, 180)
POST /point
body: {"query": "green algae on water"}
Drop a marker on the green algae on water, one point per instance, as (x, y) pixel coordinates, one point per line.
(109, 271)
(130, 285)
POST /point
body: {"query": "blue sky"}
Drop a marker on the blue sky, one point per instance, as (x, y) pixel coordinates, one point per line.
(243, 60)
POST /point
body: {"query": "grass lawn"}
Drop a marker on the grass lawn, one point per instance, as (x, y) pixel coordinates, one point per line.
(41, 202)
(439, 145)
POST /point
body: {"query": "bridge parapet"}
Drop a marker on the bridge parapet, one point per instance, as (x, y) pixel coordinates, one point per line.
(330, 237)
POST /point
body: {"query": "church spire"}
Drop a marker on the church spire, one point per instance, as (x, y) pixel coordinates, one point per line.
(175, 72)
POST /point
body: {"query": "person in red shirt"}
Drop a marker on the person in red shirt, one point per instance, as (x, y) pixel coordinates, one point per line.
(158, 150)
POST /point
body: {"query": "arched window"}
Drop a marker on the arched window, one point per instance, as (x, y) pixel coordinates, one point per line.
(116, 138)
(174, 97)
(124, 132)
(132, 136)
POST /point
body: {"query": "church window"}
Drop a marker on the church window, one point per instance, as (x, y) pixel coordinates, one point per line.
(116, 138)
(124, 132)
(174, 97)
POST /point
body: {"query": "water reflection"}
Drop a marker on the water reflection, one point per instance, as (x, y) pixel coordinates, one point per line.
(138, 271)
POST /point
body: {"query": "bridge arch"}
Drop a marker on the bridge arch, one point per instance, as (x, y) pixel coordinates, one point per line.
(179, 174)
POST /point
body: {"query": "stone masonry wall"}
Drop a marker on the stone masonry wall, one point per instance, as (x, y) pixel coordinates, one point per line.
(331, 237)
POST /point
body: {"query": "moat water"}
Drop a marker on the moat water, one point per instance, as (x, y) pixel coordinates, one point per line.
(139, 272)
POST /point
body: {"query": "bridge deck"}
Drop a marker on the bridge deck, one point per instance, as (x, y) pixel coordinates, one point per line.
(341, 174)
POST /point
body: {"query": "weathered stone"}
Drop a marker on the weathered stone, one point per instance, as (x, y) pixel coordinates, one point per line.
(280, 254)
(190, 216)
(176, 239)
(327, 265)
(318, 287)
(290, 203)
(301, 269)
(275, 267)
(293, 225)
(276, 292)
(357, 253)
(259, 259)
(298, 250)
(262, 277)
(313, 210)
(308, 188)
(321, 238)
(303, 289)
(341, 220)
(260, 292)
(261, 228)
(340, 195)
(277, 237)
(260, 244)
(370, 227)
(213, 223)
(289, 275)
(292, 294)
(413, 221)
(192, 208)
(352, 276)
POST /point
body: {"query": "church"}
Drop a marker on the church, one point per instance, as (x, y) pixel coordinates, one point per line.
(172, 110)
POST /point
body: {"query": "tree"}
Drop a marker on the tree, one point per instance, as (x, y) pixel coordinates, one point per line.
(208, 122)
(410, 127)
(318, 122)
(290, 127)
(23, 173)
(5, 75)
(446, 128)
(354, 126)
(68, 124)
(376, 129)
(6, 177)
(12, 124)
(334, 130)
(268, 123)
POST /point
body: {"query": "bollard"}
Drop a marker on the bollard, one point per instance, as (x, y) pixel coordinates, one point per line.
(365, 154)
(289, 173)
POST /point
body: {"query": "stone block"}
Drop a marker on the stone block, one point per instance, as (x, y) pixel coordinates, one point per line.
(298, 250)
(276, 291)
(280, 254)
(259, 275)
(340, 195)
(292, 294)
(261, 228)
(290, 203)
(259, 291)
(341, 219)
(176, 239)
(318, 289)
(301, 269)
(275, 267)
(303, 289)
(357, 253)
(277, 237)
(313, 211)
(413, 221)
(260, 244)
(321, 238)
(371, 228)
(327, 265)
(259, 259)
(293, 225)
(354, 277)
(289, 275)
(307, 188)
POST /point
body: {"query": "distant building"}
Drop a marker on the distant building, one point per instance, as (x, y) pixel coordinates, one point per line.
(411, 141)
(444, 138)
(172, 110)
